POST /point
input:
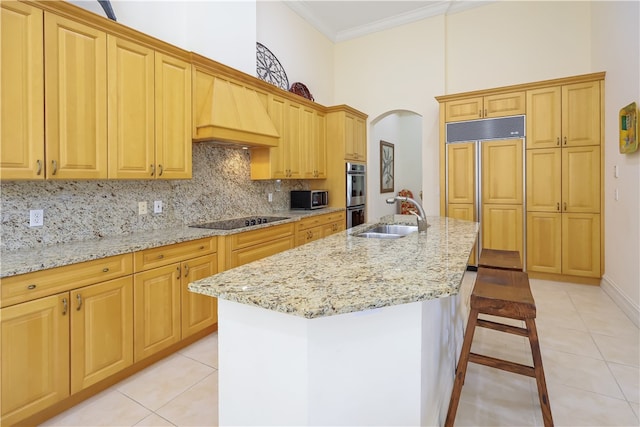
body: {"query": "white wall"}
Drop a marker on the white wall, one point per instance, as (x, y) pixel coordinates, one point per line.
(305, 54)
(509, 42)
(221, 30)
(616, 49)
(397, 69)
(404, 130)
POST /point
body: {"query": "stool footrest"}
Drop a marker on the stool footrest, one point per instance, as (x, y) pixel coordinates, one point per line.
(502, 327)
(505, 365)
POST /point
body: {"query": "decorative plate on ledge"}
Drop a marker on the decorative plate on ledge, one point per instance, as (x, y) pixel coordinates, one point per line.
(269, 68)
(300, 89)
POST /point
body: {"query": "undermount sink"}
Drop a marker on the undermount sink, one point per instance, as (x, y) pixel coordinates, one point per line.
(388, 231)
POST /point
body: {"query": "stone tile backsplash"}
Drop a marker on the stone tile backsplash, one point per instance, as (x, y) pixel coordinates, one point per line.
(221, 187)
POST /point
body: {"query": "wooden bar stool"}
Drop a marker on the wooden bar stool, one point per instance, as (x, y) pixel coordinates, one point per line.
(503, 293)
(498, 258)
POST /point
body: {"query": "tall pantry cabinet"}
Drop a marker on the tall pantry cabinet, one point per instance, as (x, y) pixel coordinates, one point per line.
(541, 195)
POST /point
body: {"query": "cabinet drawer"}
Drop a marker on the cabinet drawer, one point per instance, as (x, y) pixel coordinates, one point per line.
(29, 286)
(250, 238)
(314, 221)
(256, 252)
(157, 257)
(335, 217)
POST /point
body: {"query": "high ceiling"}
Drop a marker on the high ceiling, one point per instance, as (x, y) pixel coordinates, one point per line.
(341, 20)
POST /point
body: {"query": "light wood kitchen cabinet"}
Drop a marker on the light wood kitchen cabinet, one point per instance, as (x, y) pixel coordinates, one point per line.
(161, 300)
(101, 331)
(461, 173)
(346, 128)
(63, 329)
(301, 153)
(76, 99)
(544, 242)
(198, 311)
(22, 92)
(581, 179)
(156, 310)
(131, 109)
(173, 117)
(35, 356)
(564, 179)
(319, 226)
(581, 244)
(564, 115)
(484, 107)
(502, 227)
(502, 172)
(248, 246)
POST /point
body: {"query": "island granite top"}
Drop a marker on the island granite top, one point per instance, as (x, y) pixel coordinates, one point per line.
(344, 273)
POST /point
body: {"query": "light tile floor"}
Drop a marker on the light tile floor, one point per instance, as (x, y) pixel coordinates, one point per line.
(590, 353)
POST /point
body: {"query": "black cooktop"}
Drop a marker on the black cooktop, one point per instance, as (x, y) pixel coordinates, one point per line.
(230, 224)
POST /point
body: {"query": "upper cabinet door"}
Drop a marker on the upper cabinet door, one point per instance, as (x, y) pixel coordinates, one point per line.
(131, 109)
(544, 117)
(504, 104)
(22, 92)
(581, 114)
(173, 117)
(581, 179)
(464, 109)
(76, 99)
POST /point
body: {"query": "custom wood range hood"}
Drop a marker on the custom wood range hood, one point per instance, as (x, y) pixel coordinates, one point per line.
(228, 109)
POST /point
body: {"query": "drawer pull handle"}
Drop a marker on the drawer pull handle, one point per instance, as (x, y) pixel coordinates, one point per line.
(39, 170)
(55, 167)
(153, 169)
(178, 268)
(79, 298)
(160, 256)
(65, 306)
(105, 270)
(201, 247)
(31, 286)
(161, 170)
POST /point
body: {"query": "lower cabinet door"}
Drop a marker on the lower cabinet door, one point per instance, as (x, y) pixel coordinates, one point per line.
(101, 331)
(34, 356)
(198, 311)
(544, 242)
(156, 313)
(581, 244)
(502, 227)
(464, 211)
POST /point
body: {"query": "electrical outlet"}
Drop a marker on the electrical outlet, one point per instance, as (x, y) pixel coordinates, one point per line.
(270, 197)
(142, 208)
(157, 206)
(36, 218)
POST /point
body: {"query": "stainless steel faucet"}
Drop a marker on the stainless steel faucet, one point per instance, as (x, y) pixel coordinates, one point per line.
(422, 217)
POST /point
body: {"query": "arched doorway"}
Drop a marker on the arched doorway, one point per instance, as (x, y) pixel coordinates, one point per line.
(403, 129)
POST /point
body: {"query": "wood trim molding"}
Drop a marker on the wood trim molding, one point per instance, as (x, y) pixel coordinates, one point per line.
(525, 86)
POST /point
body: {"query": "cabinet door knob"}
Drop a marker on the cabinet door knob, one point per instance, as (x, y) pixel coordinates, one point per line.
(39, 170)
(31, 286)
(105, 270)
(79, 299)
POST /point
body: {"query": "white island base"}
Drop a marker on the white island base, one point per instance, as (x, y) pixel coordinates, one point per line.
(391, 366)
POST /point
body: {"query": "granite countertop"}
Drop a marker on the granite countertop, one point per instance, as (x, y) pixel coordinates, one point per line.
(344, 273)
(43, 257)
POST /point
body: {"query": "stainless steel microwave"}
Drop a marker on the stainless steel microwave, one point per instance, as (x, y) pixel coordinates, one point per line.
(309, 199)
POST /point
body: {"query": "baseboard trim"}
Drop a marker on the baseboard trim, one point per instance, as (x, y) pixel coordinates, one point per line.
(628, 307)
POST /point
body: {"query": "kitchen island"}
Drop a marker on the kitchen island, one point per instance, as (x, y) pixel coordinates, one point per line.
(344, 331)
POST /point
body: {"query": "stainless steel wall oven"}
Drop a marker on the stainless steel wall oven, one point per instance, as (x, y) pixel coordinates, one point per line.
(356, 193)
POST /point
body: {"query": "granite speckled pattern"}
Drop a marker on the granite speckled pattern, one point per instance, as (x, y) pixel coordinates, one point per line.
(43, 257)
(344, 273)
(221, 188)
